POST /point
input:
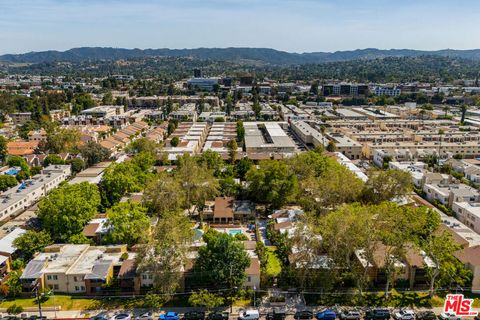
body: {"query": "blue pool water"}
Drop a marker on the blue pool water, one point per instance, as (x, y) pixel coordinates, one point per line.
(234, 232)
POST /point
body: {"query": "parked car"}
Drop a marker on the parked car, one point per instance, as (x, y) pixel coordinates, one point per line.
(218, 315)
(350, 315)
(194, 315)
(276, 314)
(405, 314)
(250, 314)
(426, 315)
(121, 316)
(303, 315)
(99, 317)
(170, 315)
(326, 315)
(449, 316)
(377, 314)
(145, 316)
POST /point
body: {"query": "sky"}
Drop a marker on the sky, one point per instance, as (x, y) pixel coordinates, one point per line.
(289, 25)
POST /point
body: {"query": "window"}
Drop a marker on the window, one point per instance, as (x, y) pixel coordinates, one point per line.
(144, 276)
(249, 279)
(55, 286)
(55, 277)
(49, 277)
(150, 276)
(77, 288)
(83, 288)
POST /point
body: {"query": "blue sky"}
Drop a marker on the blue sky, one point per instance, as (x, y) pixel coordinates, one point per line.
(290, 25)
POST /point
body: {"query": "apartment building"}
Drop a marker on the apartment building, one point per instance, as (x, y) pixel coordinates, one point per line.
(75, 268)
(18, 198)
(447, 194)
(468, 213)
(220, 134)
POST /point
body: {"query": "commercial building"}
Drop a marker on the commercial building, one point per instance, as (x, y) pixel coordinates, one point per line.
(387, 91)
(207, 84)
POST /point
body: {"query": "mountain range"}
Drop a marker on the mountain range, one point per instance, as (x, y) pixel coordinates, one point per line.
(258, 55)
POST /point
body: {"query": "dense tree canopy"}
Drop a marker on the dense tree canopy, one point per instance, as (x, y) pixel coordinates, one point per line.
(66, 210)
(222, 262)
(127, 223)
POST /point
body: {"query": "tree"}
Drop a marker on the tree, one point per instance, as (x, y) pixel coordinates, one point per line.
(174, 142)
(13, 284)
(314, 88)
(240, 132)
(197, 181)
(7, 181)
(164, 195)
(94, 153)
(439, 247)
(107, 98)
(66, 210)
(384, 185)
(14, 309)
(77, 165)
(52, 159)
(63, 140)
(213, 160)
(463, 109)
(242, 166)
(165, 252)
(223, 260)
(127, 222)
(232, 150)
(271, 183)
(122, 178)
(31, 242)
(331, 146)
(17, 161)
(3, 149)
(142, 145)
(206, 299)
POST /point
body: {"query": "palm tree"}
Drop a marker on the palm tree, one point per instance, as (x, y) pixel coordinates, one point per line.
(446, 109)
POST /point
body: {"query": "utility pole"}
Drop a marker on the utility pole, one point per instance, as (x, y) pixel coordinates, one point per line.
(38, 299)
(231, 289)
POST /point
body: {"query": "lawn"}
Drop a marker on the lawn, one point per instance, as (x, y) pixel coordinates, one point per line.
(65, 302)
(274, 266)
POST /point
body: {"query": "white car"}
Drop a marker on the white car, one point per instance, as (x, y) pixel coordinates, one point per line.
(449, 316)
(121, 316)
(250, 314)
(145, 316)
(405, 314)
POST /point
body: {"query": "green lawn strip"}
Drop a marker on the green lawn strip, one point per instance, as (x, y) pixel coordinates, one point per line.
(274, 266)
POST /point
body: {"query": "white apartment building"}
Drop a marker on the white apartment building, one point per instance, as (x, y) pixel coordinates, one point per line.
(32, 190)
(468, 213)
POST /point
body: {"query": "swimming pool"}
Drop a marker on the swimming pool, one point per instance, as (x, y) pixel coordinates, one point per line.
(234, 232)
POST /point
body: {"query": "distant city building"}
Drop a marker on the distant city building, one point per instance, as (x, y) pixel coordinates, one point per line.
(207, 84)
(387, 91)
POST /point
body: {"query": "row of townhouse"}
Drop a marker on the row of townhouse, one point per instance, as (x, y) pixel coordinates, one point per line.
(121, 138)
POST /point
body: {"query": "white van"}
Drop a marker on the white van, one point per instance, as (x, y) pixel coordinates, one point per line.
(250, 314)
